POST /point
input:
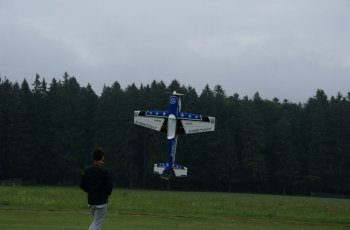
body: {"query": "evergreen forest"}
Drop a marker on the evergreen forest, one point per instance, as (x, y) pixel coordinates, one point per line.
(48, 131)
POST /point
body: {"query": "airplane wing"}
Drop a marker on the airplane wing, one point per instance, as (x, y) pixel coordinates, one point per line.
(187, 122)
(152, 119)
(195, 123)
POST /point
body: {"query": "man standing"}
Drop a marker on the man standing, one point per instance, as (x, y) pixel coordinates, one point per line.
(97, 182)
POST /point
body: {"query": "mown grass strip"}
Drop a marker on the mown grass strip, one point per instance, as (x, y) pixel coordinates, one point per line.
(68, 219)
(172, 204)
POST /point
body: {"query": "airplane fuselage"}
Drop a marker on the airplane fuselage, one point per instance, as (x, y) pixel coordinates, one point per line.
(173, 109)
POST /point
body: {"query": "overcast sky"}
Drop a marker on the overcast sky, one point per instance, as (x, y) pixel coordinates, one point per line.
(281, 48)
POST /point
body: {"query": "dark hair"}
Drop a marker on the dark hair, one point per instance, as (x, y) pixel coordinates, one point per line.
(98, 154)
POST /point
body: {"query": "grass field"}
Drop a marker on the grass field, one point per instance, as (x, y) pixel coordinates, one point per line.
(65, 208)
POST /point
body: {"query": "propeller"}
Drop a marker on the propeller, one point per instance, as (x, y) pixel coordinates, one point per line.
(175, 93)
(178, 94)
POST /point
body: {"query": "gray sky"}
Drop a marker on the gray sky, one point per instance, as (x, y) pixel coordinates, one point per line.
(280, 48)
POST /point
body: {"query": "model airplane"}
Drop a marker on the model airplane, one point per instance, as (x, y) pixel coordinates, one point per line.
(173, 122)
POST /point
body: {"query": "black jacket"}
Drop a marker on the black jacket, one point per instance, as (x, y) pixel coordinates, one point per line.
(97, 181)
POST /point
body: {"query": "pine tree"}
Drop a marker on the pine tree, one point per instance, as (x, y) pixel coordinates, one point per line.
(253, 143)
(318, 154)
(285, 168)
(7, 99)
(20, 134)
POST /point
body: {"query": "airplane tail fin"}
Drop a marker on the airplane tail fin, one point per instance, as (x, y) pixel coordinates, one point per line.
(165, 171)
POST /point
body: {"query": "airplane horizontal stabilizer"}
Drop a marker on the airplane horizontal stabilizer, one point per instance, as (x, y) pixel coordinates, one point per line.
(159, 168)
(180, 171)
(165, 171)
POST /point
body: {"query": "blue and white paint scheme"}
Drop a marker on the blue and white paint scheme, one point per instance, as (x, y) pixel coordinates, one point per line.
(173, 122)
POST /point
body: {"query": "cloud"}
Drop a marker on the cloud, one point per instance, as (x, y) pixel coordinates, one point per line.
(280, 48)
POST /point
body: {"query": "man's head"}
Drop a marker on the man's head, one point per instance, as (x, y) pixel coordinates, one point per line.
(98, 154)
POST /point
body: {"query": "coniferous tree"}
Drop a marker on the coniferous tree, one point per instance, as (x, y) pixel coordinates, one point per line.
(253, 144)
(67, 130)
(229, 159)
(285, 168)
(20, 134)
(39, 110)
(338, 176)
(8, 93)
(317, 151)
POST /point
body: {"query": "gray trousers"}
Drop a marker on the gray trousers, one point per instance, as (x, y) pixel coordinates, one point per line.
(99, 213)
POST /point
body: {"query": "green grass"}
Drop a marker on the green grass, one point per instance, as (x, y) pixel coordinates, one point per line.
(65, 208)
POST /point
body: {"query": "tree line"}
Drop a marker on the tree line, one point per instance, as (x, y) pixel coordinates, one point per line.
(47, 132)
